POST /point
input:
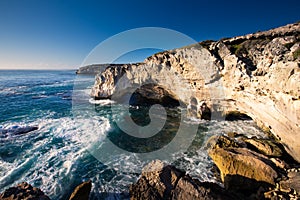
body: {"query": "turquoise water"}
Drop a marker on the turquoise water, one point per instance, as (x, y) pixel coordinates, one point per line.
(79, 139)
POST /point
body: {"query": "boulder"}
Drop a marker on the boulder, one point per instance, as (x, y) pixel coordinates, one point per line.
(190, 189)
(241, 168)
(157, 181)
(23, 191)
(82, 191)
(160, 181)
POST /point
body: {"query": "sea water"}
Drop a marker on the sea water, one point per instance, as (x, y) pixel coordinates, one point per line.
(78, 138)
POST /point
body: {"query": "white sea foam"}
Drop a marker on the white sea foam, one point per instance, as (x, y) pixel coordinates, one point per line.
(102, 102)
(60, 148)
(13, 90)
(55, 155)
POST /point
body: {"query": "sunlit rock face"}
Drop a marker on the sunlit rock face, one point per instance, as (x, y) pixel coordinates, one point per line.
(256, 74)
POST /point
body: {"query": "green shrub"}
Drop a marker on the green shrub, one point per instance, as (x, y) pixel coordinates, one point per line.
(296, 54)
(235, 48)
(289, 45)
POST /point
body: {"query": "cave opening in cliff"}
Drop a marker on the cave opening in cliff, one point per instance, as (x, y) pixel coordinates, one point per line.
(236, 115)
(150, 94)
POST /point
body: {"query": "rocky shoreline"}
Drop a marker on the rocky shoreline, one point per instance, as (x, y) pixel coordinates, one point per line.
(259, 75)
(247, 168)
(256, 75)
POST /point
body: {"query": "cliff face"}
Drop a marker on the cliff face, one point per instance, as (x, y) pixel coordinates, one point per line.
(256, 74)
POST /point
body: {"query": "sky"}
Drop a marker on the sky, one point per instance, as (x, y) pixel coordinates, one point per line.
(60, 34)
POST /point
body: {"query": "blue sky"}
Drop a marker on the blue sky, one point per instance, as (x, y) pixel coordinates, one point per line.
(59, 34)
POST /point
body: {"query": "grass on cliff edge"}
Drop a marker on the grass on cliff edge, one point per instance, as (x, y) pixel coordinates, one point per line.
(296, 54)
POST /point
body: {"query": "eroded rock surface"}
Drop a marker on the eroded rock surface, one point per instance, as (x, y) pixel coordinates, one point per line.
(23, 191)
(160, 181)
(82, 191)
(240, 168)
(256, 74)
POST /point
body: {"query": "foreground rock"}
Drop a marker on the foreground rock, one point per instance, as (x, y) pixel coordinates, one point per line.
(241, 168)
(261, 171)
(256, 74)
(160, 181)
(82, 191)
(23, 191)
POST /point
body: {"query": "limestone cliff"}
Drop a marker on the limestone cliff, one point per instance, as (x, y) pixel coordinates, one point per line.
(256, 74)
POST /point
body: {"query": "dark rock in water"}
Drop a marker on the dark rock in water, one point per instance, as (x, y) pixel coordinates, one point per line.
(82, 191)
(23, 191)
(26, 129)
(205, 111)
(18, 130)
(160, 181)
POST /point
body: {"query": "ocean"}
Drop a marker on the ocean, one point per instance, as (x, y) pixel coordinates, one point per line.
(74, 138)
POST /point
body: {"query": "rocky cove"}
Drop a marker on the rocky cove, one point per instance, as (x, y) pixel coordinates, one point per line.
(256, 76)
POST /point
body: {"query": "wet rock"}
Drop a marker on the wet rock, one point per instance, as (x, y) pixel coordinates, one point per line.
(160, 181)
(18, 130)
(82, 191)
(23, 191)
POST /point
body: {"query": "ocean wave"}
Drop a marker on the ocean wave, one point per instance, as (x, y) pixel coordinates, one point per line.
(59, 155)
(39, 96)
(57, 146)
(14, 90)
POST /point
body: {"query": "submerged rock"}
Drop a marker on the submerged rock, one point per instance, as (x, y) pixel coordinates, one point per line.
(82, 191)
(160, 181)
(18, 130)
(23, 191)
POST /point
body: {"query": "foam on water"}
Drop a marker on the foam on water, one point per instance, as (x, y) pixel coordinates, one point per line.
(54, 151)
(57, 156)
(102, 102)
